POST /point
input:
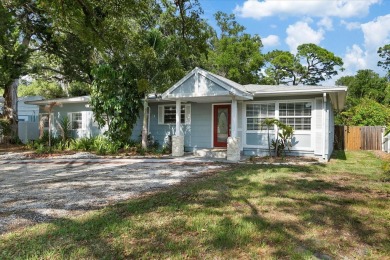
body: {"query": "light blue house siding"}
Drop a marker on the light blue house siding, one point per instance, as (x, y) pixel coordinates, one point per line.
(198, 134)
(305, 142)
(89, 126)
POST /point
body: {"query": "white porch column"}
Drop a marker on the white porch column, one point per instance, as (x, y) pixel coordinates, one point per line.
(233, 142)
(233, 132)
(178, 108)
(178, 139)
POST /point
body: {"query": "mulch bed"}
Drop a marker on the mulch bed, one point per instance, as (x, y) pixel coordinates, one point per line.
(382, 155)
(287, 159)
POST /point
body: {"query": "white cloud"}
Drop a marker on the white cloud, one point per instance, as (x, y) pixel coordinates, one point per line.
(326, 23)
(355, 59)
(270, 41)
(351, 25)
(265, 8)
(300, 33)
(376, 34)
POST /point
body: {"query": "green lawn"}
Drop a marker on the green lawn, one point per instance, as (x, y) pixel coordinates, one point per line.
(341, 209)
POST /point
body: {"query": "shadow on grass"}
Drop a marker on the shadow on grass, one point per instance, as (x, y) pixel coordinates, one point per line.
(220, 213)
(339, 155)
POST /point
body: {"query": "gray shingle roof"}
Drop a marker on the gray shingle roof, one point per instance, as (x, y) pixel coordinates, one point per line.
(252, 88)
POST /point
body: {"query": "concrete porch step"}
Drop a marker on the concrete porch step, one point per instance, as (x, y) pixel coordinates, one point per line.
(211, 153)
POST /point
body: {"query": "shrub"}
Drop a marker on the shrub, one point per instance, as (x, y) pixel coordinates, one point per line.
(102, 145)
(5, 127)
(386, 168)
(82, 144)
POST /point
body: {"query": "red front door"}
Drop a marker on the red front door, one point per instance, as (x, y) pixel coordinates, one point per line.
(221, 125)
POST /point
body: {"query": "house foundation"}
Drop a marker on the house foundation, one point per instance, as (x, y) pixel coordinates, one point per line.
(177, 145)
(233, 149)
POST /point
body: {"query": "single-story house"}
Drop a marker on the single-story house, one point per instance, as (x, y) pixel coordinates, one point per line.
(28, 117)
(204, 111)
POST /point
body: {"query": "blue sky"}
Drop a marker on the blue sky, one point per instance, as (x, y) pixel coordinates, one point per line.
(352, 29)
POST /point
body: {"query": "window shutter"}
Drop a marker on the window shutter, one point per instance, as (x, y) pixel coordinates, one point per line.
(188, 114)
(318, 124)
(160, 115)
(84, 120)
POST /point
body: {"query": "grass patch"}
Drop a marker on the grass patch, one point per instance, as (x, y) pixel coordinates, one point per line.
(340, 209)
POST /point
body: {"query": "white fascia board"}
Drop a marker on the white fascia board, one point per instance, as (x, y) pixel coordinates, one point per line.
(300, 91)
(177, 84)
(189, 95)
(84, 99)
(226, 86)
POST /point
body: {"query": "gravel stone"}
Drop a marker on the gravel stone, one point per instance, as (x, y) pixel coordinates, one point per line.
(40, 190)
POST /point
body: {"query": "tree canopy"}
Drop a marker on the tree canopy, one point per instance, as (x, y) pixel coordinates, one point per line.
(384, 53)
(310, 66)
(41, 88)
(368, 99)
(366, 84)
(233, 53)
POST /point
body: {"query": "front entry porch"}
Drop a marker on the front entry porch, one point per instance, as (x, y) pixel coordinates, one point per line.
(218, 153)
(203, 87)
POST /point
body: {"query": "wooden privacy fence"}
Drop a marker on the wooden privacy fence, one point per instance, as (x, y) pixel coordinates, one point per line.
(353, 138)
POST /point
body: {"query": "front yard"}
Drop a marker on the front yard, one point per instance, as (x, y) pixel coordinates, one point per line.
(341, 209)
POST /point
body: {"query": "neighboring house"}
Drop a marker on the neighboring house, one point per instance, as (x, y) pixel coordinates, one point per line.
(77, 109)
(213, 112)
(26, 112)
(28, 117)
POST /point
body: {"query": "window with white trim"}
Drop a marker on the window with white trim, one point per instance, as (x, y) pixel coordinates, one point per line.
(167, 114)
(296, 114)
(76, 120)
(256, 113)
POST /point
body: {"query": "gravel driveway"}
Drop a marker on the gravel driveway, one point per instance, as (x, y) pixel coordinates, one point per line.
(33, 191)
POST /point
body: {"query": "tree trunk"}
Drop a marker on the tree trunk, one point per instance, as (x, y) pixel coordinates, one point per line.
(144, 138)
(11, 106)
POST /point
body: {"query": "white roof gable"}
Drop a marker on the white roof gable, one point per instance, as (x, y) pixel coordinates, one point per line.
(201, 83)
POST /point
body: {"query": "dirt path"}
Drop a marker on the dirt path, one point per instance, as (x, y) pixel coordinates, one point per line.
(33, 191)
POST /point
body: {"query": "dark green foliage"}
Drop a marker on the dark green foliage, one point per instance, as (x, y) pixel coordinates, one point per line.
(42, 144)
(368, 100)
(310, 66)
(234, 54)
(367, 112)
(41, 88)
(5, 128)
(13, 53)
(384, 53)
(366, 84)
(116, 100)
(77, 89)
(64, 126)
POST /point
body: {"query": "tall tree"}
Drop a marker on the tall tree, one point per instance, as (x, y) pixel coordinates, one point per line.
(310, 66)
(41, 88)
(155, 55)
(366, 84)
(233, 53)
(14, 53)
(384, 53)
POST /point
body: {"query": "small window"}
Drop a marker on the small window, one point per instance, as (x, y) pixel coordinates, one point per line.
(256, 113)
(76, 120)
(170, 114)
(167, 114)
(297, 115)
